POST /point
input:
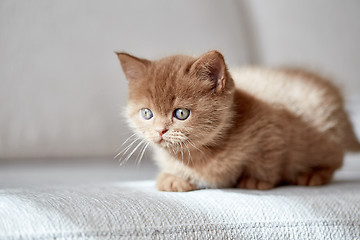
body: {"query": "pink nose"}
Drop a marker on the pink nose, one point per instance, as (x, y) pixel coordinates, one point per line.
(162, 131)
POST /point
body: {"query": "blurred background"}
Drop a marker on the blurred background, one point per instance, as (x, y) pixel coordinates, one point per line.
(62, 89)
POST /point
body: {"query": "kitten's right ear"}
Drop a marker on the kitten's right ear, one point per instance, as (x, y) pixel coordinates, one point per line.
(211, 67)
(134, 68)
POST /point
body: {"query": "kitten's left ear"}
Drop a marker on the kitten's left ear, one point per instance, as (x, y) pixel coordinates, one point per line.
(134, 68)
(211, 67)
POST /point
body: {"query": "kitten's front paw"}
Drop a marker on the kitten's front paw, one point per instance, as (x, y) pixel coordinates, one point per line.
(170, 183)
(252, 183)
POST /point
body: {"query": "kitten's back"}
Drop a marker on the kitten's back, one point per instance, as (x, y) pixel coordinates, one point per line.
(308, 96)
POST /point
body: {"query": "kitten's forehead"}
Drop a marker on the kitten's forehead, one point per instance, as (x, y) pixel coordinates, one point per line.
(168, 80)
(170, 71)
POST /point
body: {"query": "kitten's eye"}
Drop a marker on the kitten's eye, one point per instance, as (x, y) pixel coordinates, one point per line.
(146, 113)
(181, 113)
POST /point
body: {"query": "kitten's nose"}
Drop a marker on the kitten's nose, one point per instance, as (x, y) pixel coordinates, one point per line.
(161, 131)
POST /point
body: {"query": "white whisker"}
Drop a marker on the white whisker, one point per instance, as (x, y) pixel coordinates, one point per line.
(142, 153)
(219, 109)
(192, 144)
(182, 154)
(128, 139)
(133, 151)
(188, 152)
(170, 147)
(126, 149)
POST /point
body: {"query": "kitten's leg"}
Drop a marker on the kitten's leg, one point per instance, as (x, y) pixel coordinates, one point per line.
(252, 183)
(263, 172)
(171, 183)
(319, 176)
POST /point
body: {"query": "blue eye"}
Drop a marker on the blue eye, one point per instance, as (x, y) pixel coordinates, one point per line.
(146, 113)
(181, 113)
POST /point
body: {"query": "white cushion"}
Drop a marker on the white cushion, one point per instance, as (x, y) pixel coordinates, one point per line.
(131, 210)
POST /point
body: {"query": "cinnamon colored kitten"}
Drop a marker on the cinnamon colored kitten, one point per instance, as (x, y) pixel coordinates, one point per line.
(255, 128)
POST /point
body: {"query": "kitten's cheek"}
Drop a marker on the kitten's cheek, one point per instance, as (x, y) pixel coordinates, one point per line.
(145, 135)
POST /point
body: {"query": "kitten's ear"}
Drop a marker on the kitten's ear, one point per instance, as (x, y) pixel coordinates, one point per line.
(211, 67)
(134, 68)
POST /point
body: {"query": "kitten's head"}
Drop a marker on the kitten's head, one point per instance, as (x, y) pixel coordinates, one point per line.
(179, 100)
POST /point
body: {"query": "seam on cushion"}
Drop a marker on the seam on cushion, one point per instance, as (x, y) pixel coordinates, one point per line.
(188, 228)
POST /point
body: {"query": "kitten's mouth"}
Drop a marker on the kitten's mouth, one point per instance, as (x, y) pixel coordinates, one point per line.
(168, 144)
(163, 142)
(170, 141)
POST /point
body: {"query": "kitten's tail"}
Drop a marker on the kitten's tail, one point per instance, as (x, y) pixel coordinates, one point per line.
(352, 144)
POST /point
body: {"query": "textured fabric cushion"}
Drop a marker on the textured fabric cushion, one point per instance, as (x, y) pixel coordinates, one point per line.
(132, 210)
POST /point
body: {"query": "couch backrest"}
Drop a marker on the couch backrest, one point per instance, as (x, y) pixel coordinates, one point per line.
(62, 88)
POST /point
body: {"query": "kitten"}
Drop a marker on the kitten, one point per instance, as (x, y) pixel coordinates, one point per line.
(255, 128)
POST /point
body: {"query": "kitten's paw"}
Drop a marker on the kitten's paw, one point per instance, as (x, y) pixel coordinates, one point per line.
(170, 183)
(252, 183)
(315, 177)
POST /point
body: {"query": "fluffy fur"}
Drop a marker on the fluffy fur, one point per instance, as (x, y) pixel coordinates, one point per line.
(255, 128)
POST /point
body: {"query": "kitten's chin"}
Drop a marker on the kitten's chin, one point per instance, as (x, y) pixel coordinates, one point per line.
(159, 141)
(164, 144)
